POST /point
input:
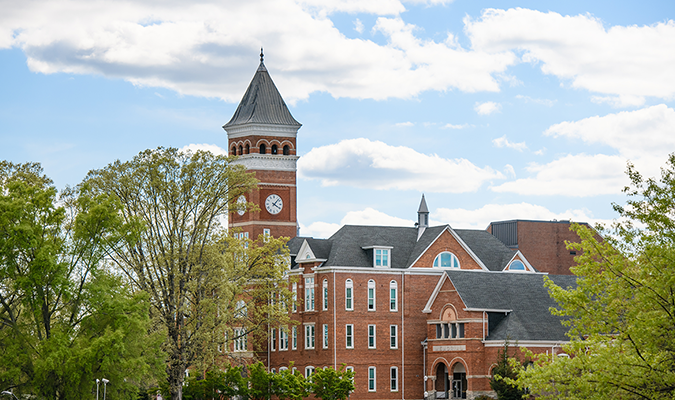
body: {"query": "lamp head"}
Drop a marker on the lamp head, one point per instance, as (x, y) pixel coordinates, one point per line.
(97, 381)
(7, 392)
(105, 380)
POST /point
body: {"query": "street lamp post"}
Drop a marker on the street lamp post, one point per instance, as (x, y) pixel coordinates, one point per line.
(97, 382)
(105, 386)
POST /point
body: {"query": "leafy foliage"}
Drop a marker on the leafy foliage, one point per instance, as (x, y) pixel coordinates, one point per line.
(195, 274)
(64, 318)
(622, 313)
(504, 375)
(329, 384)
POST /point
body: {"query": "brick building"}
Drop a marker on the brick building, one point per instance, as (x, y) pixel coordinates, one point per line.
(416, 312)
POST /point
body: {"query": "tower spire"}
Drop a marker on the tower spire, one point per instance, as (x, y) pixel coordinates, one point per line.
(422, 217)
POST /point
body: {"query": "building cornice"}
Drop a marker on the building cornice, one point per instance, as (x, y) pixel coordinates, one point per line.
(239, 131)
(268, 162)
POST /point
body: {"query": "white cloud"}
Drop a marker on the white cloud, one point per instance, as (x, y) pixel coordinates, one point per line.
(528, 99)
(573, 175)
(209, 47)
(204, 147)
(451, 126)
(619, 60)
(641, 134)
(377, 165)
(623, 101)
(358, 26)
(643, 137)
(367, 216)
(404, 124)
(504, 142)
(487, 107)
(480, 218)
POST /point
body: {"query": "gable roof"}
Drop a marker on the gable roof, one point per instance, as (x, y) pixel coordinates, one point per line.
(262, 103)
(523, 294)
(346, 247)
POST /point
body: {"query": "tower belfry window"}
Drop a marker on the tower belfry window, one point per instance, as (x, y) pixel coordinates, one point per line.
(287, 150)
(246, 149)
(241, 150)
(274, 149)
(263, 149)
(234, 150)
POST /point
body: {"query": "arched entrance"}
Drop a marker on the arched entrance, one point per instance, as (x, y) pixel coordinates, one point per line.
(442, 381)
(458, 381)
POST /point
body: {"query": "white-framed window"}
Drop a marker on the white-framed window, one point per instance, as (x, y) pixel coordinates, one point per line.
(309, 336)
(293, 370)
(393, 296)
(273, 339)
(452, 330)
(294, 289)
(371, 336)
(349, 336)
(220, 348)
(446, 260)
(283, 339)
(240, 341)
(309, 294)
(381, 257)
(241, 311)
(394, 379)
(274, 370)
(283, 369)
(349, 295)
(371, 379)
(294, 337)
(352, 370)
(517, 265)
(325, 336)
(393, 336)
(266, 232)
(309, 370)
(371, 295)
(324, 293)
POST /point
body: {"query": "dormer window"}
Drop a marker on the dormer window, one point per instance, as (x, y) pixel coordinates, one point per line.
(382, 257)
(446, 260)
(517, 265)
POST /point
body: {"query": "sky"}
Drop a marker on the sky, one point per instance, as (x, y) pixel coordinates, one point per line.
(494, 110)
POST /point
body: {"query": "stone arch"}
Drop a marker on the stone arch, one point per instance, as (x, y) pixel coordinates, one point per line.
(448, 313)
(459, 371)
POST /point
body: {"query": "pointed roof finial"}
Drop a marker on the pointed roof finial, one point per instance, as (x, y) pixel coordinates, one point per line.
(261, 54)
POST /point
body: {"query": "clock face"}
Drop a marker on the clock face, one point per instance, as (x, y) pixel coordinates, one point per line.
(241, 205)
(273, 204)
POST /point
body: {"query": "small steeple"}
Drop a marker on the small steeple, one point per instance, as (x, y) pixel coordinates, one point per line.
(422, 218)
(262, 67)
(423, 214)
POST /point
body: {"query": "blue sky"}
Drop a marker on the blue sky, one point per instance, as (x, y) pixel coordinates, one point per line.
(493, 110)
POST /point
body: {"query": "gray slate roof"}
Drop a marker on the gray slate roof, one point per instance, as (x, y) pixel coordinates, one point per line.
(262, 103)
(523, 293)
(345, 247)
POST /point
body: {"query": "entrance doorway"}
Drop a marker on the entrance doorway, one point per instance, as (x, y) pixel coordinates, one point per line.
(458, 382)
(442, 383)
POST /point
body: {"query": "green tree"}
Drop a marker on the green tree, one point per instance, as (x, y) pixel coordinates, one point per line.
(329, 384)
(622, 313)
(195, 274)
(290, 385)
(64, 319)
(504, 374)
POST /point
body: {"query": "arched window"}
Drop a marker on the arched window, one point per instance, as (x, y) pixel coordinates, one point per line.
(263, 149)
(241, 150)
(446, 260)
(517, 265)
(371, 295)
(247, 149)
(349, 295)
(287, 150)
(393, 296)
(274, 149)
(234, 150)
(241, 309)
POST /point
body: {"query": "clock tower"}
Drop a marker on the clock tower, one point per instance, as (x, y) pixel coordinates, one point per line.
(262, 134)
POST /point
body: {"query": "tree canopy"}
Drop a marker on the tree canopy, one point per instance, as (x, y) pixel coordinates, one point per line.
(622, 313)
(66, 320)
(197, 275)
